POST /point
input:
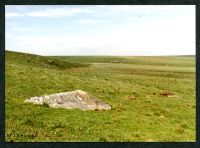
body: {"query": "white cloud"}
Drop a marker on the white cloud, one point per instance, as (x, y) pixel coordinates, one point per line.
(90, 21)
(96, 10)
(13, 14)
(54, 12)
(51, 12)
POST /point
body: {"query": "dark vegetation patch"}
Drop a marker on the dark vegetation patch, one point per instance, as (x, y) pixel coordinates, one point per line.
(45, 104)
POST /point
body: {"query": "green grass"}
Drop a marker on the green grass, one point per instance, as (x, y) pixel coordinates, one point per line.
(41, 61)
(131, 85)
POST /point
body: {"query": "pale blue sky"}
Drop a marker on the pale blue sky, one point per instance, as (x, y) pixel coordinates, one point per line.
(101, 29)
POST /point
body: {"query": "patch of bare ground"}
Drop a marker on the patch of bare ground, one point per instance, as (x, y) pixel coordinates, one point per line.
(168, 94)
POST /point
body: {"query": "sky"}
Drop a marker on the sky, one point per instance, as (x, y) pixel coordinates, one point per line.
(126, 30)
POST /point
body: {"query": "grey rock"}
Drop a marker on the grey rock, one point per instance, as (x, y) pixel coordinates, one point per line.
(70, 100)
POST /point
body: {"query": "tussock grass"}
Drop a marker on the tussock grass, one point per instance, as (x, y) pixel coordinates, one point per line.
(133, 86)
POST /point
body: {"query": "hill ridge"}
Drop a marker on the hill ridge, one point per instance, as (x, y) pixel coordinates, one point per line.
(42, 61)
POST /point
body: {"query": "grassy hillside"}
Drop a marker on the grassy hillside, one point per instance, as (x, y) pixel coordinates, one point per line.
(186, 61)
(41, 61)
(135, 87)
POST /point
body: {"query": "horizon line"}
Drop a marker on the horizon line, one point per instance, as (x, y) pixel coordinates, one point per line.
(100, 55)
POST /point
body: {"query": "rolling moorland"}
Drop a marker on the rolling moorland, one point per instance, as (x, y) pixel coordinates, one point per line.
(152, 98)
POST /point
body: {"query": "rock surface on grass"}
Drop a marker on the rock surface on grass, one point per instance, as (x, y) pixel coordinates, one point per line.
(70, 100)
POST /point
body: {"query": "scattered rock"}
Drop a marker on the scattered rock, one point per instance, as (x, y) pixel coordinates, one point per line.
(70, 100)
(115, 61)
(130, 98)
(161, 116)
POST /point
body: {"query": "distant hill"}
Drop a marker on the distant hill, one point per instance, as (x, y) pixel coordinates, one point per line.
(41, 61)
(187, 55)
